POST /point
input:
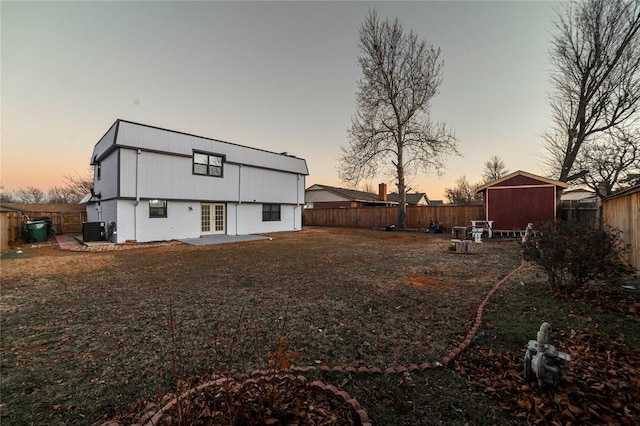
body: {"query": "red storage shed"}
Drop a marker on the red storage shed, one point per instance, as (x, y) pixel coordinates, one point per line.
(519, 198)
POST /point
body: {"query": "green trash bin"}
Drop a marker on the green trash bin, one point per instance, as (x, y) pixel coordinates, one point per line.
(37, 231)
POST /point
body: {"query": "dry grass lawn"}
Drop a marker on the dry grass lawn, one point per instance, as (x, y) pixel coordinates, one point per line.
(86, 334)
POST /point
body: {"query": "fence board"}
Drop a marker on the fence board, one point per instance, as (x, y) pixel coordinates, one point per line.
(10, 228)
(65, 222)
(623, 212)
(418, 217)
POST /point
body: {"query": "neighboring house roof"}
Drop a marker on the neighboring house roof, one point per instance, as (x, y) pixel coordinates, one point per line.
(578, 194)
(413, 198)
(521, 173)
(347, 194)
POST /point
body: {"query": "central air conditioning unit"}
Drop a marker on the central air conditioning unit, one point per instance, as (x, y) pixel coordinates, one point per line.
(93, 231)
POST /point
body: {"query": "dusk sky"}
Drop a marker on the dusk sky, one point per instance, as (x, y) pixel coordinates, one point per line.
(279, 76)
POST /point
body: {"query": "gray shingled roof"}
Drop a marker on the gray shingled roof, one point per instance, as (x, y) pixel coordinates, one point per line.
(352, 194)
(412, 198)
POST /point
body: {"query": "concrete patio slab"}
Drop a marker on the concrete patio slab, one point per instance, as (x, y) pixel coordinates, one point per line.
(222, 239)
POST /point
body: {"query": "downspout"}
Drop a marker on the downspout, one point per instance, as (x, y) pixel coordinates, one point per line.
(239, 194)
(137, 201)
(297, 201)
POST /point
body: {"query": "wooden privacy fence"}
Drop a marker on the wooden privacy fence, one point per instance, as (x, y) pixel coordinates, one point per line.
(623, 212)
(584, 213)
(10, 228)
(64, 222)
(418, 217)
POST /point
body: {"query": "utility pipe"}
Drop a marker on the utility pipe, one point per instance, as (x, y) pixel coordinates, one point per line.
(135, 204)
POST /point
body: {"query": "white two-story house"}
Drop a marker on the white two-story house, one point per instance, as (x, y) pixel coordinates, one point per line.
(153, 184)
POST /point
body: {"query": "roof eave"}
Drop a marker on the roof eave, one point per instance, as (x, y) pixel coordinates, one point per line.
(562, 185)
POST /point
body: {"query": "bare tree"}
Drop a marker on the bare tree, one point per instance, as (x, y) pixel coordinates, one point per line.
(30, 195)
(494, 169)
(611, 162)
(463, 192)
(368, 187)
(6, 196)
(77, 186)
(392, 130)
(58, 194)
(596, 76)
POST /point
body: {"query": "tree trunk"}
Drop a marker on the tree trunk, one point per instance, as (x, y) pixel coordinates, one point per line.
(402, 196)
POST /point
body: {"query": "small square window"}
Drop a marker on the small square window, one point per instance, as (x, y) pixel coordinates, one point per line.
(157, 208)
(270, 212)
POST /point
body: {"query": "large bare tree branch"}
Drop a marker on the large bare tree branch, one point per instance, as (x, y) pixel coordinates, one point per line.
(611, 163)
(596, 58)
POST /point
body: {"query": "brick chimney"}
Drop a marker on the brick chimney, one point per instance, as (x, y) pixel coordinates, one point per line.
(382, 192)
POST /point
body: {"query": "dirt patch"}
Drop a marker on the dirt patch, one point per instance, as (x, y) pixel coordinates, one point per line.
(50, 260)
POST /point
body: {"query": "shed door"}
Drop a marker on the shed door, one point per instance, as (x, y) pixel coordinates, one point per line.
(212, 219)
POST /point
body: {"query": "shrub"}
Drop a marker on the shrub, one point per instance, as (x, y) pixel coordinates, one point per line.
(573, 254)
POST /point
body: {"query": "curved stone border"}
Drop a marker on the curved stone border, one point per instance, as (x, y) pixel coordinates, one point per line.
(154, 418)
(480, 313)
(414, 367)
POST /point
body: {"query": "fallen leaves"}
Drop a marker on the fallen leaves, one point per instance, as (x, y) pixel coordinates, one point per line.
(275, 400)
(600, 386)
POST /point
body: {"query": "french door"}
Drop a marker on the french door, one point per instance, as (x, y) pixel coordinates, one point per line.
(212, 218)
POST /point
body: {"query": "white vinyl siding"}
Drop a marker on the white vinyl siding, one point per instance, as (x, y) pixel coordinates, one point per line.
(170, 177)
(250, 219)
(107, 185)
(269, 186)
(134, 223)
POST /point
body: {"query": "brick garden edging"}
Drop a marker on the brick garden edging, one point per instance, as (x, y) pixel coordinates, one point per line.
(412, 367)
(480, 313)
(154, 418)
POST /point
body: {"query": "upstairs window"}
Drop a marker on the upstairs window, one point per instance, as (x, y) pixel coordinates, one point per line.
(157, 208)
(207, 164)
(270, 212)
(98, 171)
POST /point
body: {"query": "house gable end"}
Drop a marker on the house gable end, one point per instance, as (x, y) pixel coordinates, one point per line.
(520, 178)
